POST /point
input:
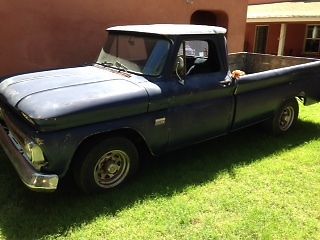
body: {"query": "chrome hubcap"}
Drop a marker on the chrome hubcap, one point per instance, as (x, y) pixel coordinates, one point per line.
(111, 168)
(286, 118)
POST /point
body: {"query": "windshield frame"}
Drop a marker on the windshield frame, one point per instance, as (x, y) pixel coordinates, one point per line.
(120, 66)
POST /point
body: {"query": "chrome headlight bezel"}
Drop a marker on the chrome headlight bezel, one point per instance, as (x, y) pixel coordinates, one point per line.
(34, 154)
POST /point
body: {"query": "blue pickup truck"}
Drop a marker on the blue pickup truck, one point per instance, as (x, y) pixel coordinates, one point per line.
(153, 88)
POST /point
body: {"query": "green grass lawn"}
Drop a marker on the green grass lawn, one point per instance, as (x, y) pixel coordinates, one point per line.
(247, 185)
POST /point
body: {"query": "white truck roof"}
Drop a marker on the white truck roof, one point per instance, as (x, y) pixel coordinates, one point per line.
(170, 29)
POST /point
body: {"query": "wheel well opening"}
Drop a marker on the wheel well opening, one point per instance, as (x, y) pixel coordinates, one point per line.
(133, 136)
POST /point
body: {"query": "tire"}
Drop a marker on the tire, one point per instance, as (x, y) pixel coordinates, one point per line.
(285, 117)
(106, 165)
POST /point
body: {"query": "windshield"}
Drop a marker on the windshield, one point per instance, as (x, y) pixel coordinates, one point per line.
(135, 53)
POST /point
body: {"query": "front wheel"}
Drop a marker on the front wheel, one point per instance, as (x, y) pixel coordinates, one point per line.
(285, 117)
(106, 165)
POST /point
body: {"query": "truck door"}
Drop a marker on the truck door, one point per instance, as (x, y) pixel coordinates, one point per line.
(203, 102)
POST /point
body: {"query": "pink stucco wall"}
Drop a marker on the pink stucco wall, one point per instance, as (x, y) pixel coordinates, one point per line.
(44, 34)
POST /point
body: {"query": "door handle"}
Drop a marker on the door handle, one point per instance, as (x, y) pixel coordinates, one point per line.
(225, 83)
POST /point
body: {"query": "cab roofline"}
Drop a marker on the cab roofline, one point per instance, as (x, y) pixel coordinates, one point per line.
(170, 29)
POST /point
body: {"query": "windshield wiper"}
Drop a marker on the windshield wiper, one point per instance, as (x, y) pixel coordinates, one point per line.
(120, 66)
(105, 64)
(117, 65)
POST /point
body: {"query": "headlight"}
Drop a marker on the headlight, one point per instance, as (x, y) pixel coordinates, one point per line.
(35, 154)
(30, 150)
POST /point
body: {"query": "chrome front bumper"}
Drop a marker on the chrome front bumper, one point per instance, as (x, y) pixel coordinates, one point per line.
(32, 178)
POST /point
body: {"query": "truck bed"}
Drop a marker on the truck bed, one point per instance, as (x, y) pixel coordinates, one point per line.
(262, 71)
(269, 80)
(256, 62)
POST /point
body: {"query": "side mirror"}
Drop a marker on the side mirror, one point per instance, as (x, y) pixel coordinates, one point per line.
(200, 61)
(179, 69)
(197, 62)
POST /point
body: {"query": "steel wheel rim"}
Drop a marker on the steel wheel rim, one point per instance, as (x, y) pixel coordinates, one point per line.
(111, 168)
(286, 118)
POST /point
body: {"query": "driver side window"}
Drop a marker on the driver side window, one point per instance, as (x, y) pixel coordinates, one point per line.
(196, 57)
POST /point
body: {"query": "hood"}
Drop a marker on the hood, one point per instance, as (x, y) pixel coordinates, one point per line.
(74, 96)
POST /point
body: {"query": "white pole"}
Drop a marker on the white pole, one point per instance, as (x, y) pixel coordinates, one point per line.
(282, 39)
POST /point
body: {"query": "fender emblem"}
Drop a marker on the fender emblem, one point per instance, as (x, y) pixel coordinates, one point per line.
(160, 121)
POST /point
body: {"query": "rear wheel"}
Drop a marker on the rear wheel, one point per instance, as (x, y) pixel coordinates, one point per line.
(285, 117)
(106, 164)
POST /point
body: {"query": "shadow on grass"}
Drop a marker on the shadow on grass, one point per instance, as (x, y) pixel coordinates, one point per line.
(28, 215)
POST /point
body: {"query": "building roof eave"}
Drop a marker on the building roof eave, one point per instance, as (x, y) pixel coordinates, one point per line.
(295, 11)
(283, 19)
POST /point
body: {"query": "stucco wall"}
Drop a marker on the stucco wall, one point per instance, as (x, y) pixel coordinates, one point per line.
(273, 38)
(295, 37)
(44, 34)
